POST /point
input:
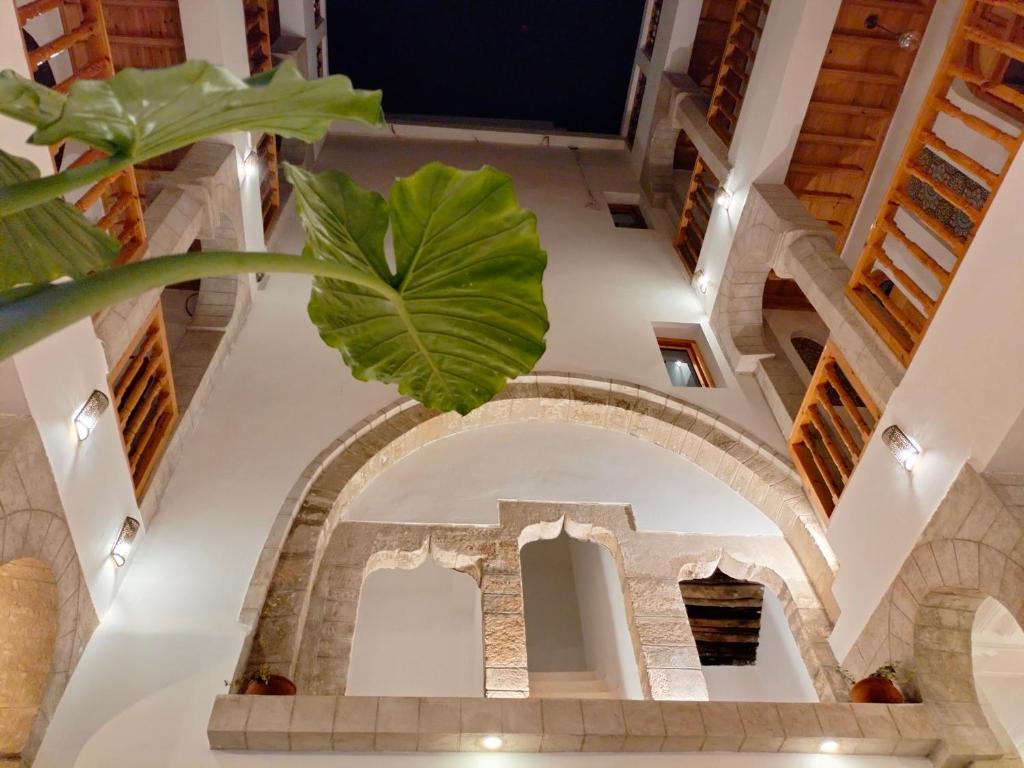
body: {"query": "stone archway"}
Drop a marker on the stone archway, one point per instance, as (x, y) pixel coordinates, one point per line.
(749, 467)
(28, 603)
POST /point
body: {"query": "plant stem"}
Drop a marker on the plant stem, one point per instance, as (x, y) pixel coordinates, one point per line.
(40, 313)
(25, 194)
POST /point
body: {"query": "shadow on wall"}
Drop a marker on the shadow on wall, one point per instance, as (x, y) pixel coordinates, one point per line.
(418, 633)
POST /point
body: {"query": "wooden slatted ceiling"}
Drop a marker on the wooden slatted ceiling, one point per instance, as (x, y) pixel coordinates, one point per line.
(725, 617)
(858, 88)
(147, 34)
(940, 194)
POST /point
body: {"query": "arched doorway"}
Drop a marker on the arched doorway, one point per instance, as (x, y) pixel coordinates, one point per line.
(997, 650)
(28, 605)
(577, 635)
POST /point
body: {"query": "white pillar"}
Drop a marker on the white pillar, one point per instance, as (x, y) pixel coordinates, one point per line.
(794, 42)
(214, 30)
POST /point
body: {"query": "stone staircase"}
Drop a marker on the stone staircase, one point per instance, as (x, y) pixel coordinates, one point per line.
(569, 685)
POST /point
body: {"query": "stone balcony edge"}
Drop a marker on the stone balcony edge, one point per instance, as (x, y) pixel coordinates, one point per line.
(410, 724)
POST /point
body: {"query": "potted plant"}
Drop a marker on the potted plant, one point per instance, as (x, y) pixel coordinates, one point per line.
(262, 683)
(883, 686)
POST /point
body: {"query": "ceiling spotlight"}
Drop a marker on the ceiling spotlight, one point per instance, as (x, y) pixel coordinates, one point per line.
(492, 743)
(908, 40)
(88, 416)
(829, 746)
(903, 448)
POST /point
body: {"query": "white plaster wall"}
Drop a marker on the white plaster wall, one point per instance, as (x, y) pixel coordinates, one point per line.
(418, 633)
(778, 675)
(57, 375)
(958, 400)
(607, 642)
(555, 462)
(142, 692)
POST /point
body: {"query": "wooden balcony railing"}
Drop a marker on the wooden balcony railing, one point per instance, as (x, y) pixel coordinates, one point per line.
(88, 50)
(270, 181)
(940, 193)
(696, 215)
(831, 429)
(737, 63)
(143, 392)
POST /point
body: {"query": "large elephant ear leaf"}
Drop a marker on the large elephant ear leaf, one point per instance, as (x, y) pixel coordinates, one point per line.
(47, 241)
(139, 114)
(464, 311)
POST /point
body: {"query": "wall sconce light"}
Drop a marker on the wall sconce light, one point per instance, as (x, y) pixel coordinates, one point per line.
(829, 746)
(492, 743)
(723, 197)
(252, 164)
(701, 279)
(908, 41)
(88, 416)
(902, 447)
(125, 539)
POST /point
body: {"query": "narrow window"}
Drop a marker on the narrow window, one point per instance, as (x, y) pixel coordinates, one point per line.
(684, 363)
(627, 216)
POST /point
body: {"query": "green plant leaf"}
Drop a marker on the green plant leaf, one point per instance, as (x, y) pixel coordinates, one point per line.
(139, 114)
(47, 241)
(464, 312)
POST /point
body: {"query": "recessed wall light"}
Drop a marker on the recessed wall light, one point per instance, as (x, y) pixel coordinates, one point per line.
(88, 416)
(492, 742)
(902, 447)
(252, 164)
(700, 278)
(829, 746)
(125, 539)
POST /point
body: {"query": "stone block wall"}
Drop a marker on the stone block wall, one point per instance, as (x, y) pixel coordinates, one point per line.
(33, 528)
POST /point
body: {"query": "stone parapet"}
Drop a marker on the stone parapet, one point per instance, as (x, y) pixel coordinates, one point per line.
(387, 724)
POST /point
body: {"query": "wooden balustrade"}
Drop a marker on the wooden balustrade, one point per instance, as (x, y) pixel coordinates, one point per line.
(831, 429)
(940, 194)
(143, 394)
(737, 63)
(696, 215)
(270, 181)
(87, 47)
(257, 31)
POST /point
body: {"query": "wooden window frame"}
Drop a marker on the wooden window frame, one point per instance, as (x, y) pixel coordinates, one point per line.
(691, 347)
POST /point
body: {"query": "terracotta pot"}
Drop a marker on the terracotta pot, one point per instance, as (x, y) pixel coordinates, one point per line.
(276, 685)
(876, 690)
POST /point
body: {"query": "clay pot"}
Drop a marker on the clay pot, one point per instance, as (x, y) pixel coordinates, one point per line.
(276, 685)
(876, 690)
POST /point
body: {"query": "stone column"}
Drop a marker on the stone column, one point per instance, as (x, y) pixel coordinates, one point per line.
(662, 631)
(505, 673)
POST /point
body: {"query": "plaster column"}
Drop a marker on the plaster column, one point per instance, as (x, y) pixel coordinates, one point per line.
(505, 672)
(214, 31)
(671, 668)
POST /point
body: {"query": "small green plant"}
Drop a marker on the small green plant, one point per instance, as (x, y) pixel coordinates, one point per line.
(462, 312)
